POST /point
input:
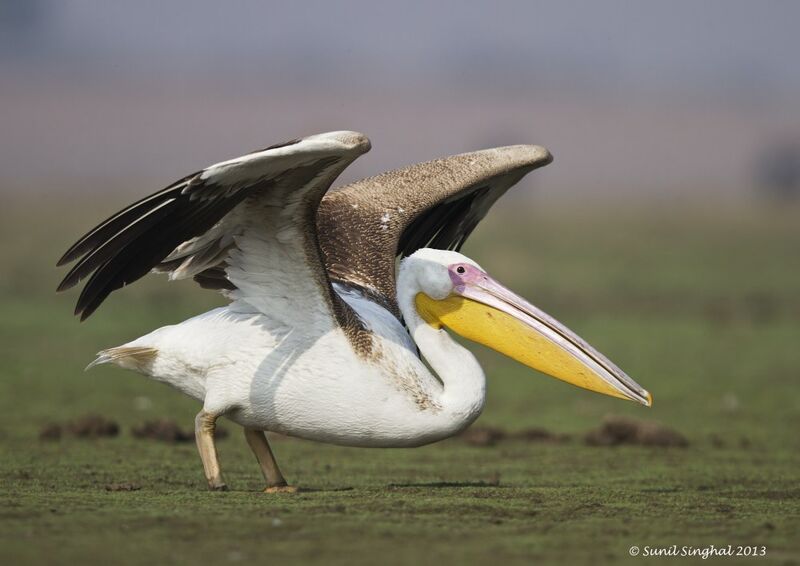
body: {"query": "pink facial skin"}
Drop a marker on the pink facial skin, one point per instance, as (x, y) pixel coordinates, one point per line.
(463, 274)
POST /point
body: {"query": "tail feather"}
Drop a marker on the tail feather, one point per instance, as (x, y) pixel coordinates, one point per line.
(137, 358)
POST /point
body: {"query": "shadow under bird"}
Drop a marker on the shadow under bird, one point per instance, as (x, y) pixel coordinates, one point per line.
(328, 336)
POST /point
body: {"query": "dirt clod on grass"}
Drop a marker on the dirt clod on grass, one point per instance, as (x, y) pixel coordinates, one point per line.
(541, 435)
(167, 430)
(92, 426)
(617, 430)
(50, 431)
(483, 435)
(490, 436)
(125, 486)
(88, 426)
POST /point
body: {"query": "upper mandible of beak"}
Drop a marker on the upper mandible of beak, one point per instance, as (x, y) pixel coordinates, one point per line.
(483, 310)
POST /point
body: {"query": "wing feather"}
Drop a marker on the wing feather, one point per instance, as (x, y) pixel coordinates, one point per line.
(190, 228)
(366, 225)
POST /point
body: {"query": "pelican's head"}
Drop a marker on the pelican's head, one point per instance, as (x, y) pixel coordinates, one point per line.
(454, 292)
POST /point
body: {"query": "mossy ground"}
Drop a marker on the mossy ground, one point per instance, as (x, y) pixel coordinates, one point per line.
(700, 305)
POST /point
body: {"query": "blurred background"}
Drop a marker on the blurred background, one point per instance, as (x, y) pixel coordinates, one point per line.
(666, 233)
(651, 99)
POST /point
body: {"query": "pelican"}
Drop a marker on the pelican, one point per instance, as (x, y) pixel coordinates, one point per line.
(340, 300)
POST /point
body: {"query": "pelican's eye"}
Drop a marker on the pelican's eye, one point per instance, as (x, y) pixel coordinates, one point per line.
(460, 269)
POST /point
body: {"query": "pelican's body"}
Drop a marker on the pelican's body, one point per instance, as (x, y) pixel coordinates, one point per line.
(326, 336)
(266, 374)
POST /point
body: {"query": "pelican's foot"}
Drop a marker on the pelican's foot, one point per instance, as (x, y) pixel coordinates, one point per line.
(281, 489)
(217, 486)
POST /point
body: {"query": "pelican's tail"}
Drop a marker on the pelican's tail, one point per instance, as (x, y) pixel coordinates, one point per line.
(137, 358)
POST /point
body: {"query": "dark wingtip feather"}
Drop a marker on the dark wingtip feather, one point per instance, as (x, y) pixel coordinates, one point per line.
(120, 220)
(103, 251)
(76, 251)
(65, 259)
(88, 302)
(72, 278)
(66, 284)
(137, 257)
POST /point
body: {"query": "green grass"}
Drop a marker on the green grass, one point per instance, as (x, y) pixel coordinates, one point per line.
(698, 304)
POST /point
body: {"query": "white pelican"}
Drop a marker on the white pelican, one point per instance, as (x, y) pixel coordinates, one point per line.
(326, 336)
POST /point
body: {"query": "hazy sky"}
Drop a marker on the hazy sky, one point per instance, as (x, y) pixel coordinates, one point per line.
(680, 92)
(648, 44)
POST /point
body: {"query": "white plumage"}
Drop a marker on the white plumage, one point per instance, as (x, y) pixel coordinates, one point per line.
(286, 373)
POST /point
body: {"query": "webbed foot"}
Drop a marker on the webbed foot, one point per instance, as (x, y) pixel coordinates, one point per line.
(281, 489)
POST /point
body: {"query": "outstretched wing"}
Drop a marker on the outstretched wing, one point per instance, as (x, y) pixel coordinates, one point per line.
(246, 225)
(365, 226)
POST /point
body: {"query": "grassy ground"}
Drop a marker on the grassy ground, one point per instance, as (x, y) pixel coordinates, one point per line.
(700, 305)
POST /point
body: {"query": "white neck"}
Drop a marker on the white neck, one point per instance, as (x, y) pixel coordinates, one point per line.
(464, 383)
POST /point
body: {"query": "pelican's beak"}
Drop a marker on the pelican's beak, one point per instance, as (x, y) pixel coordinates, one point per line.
(483, 310)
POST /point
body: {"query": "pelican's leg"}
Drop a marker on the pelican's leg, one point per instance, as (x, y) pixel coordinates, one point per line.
(204, 426)
(269, 467)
